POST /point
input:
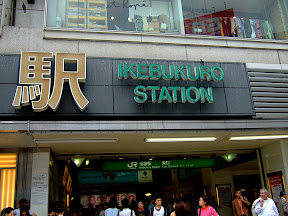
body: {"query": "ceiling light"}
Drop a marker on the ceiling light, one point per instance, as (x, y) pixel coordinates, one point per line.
(87, 162)
(121, 158)
(76, 140)
(148, 194)
(229, 157)
(78, 160)
(259, 137)
(194, 139)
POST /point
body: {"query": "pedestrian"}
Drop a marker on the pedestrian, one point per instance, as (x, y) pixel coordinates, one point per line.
(52, 212)
(22, 202)
(151, 204)
(141, 211)
(126, 210)
(181, 209)
(264, 206)
(7, 212)
(173, 213)
(240, 205)
(158, 210)
(102, 212)
(60, 211)
(282, 205)
(24, 211)
(205, 209)
(112, 209)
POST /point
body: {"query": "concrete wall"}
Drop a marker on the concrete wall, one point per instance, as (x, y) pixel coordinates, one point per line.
(14, 40)
(275, 159)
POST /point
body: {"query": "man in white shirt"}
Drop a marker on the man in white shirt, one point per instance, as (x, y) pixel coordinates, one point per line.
(265, 206)
(158, 210)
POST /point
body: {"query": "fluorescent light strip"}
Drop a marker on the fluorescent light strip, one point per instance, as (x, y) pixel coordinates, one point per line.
(194, 139)
(76, 140)
(258, 137)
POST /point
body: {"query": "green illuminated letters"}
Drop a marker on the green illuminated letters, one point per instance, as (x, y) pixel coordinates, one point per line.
(140, 95)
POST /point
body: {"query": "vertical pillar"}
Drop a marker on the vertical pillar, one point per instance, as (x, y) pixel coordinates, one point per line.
(260, 168)
(23, 179)
(39, 181)
(174, 174)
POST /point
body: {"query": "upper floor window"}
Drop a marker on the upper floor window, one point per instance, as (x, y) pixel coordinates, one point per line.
(263, 19)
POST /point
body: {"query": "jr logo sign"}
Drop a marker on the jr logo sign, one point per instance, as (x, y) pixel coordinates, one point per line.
(35, 80)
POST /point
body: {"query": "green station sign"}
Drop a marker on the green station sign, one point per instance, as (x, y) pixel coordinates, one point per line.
(158, 164)
(171, 94)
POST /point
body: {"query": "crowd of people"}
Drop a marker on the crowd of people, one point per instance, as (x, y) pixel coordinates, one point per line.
(263, 206)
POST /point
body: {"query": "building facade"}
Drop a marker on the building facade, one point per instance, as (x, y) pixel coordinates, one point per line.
(181, 97)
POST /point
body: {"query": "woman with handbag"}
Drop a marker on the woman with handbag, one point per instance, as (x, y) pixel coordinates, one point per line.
(205, 209)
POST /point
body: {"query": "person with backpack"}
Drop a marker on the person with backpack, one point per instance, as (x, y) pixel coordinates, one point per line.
(126, 210)
(159, 210)
(264, 206)
(205, 209)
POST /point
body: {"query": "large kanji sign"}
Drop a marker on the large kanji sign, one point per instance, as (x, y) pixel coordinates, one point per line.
(35, 80)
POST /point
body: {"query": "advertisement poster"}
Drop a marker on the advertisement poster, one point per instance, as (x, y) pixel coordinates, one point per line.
(100, 199)
(224, 195)
(276, 185)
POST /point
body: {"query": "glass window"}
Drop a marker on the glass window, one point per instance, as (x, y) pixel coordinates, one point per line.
(233, 18)
(263, 19)
(127, 15)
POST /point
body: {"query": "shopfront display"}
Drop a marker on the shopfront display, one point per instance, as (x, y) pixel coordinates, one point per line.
(262, 19)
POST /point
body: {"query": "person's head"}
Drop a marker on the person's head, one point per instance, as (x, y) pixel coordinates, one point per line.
(60, 211)
(263, 193)
(8, 212)
(158, 201)
(203, 201)
(174, 204)
(100, 207)
(24, 211)
(105, 205)
(283, 194)
(140, 204)
(152, 200)
(125, 203)
(238, 194)
(181, 209)
(23, 202)
(113, 202)
(52, 212)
